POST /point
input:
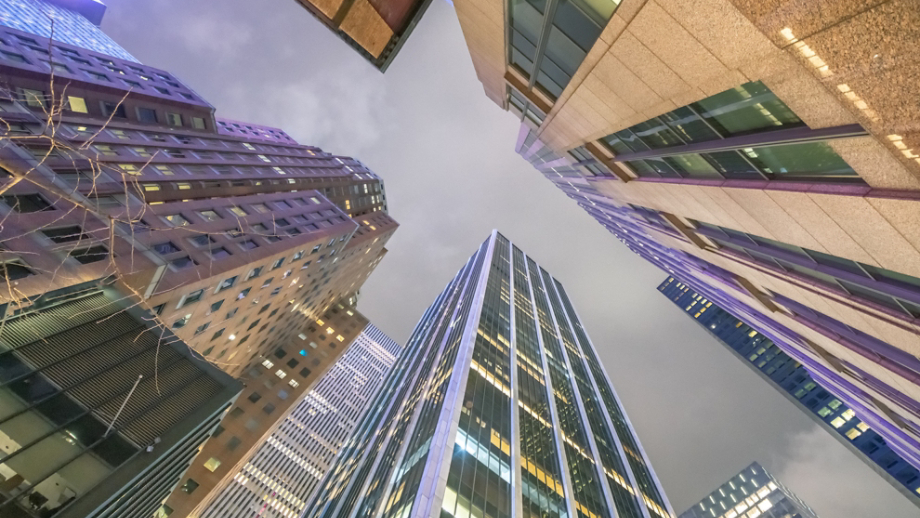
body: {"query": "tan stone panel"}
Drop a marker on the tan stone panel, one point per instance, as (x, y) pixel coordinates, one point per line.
(722, 29)
(821, 226)
(625, 84)
(620, 107)
(686, 56)
(599, 106)
(366, 27)
(903, 215)
(613, 29)
(709, 211)
(744, 220)
(628, 9)
(722, 82)
(691, 95)
(858, 218)
(875, 164)
(327, 7)
(647, 67)
(773, 217)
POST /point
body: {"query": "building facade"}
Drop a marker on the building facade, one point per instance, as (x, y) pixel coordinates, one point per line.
(753, 493)
(792, 379)
(375, 29)
(239, 239)
(102, 409)
(497, 407)
(278, 480)
(758, 154)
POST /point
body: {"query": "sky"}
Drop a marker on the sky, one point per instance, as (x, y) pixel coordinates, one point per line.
(446, 154)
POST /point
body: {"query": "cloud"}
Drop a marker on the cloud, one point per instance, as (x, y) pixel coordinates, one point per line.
(822, 472)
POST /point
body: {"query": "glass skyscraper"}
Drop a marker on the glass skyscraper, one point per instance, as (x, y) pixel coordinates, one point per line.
(753, 493)
(498, 407)
(794, 381)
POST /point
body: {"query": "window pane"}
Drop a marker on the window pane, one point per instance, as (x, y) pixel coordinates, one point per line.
(656, 134)
(748, 108)
(732, 164)
(812, 158)
(692, 165)
(575, 24)
(564, 52)
(689, 126)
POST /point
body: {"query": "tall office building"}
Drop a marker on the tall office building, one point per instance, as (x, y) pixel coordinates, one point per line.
(375, 29)
(753, 493)
(760, 155)
(240, 239)
(794, 381)
(102, 410)
(497, 407)
(279, 479)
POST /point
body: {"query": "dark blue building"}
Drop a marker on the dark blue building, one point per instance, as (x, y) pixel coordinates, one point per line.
(793, 381)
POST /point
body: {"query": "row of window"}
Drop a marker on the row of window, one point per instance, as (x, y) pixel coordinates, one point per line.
(888, 288)
(747, 109)
(187, 140)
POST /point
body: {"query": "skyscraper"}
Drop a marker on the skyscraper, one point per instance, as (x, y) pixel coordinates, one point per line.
(102, 409)
(375, 29)
(497, 407)
(752, 493)
(760, 156)
(793, 380)
(242, 241)
(279, 478)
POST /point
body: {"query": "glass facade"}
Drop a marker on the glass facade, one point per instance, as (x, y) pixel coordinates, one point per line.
(70, 26)
(747, 110)
(550, 38)
(752, 493)
(497, 408)
(796, 383)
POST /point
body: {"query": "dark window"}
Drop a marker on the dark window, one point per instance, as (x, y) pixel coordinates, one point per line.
(219, 253)
(202, 328)
(292, 363)
(264, 308)
(280, 353)
(158, 310)
(115, 110)
(217, 305)
(194, 296)
(189, 486)
(217, 335)
(181, 322)
(252, 325)
(278, 263)
(249, 244)
(14, 270)
(233, 443)
(24, 203)
(182, 262)
(65, 234)
(146, 114)
(304, 372)
(201, 240)
(268, 408)
(89, 255)
(255, 396)
(236, 412)
(166, 248)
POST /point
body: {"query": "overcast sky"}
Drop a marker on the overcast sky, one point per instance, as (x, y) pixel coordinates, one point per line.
(446, 154)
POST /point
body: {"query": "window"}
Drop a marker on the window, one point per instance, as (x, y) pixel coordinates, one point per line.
(238, 211)
(114, 110)
(304, 372)
(201, 240)
(76, 104)
(16, 58)
(254, 397)
(293, 362)
(176, 220)
(198, 123)
(226, 283)
(202, 328)
(91, 254)
(281, 374)
(190, 486)
(165, 248)
(219, 253)
(25, 203)
(268, 364)
(217, 335)
(182, 321)
(14, 270)
(293, 383)
(173, 119)
(243, 294)
(268, 408)
(212, 464)
(282, 395)
(209, 215)
(192, 297)
(233, 443)
(147, 115)
(249, 244)
(252, 425)
(65, 234)
(278, 263)
(255, 272)
(260, 207)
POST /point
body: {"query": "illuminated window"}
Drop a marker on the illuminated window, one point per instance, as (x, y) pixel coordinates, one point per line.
(77, 104)
(853, 433)
(281, 374)
(212, 464)
(862, 427)
(293, 383)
